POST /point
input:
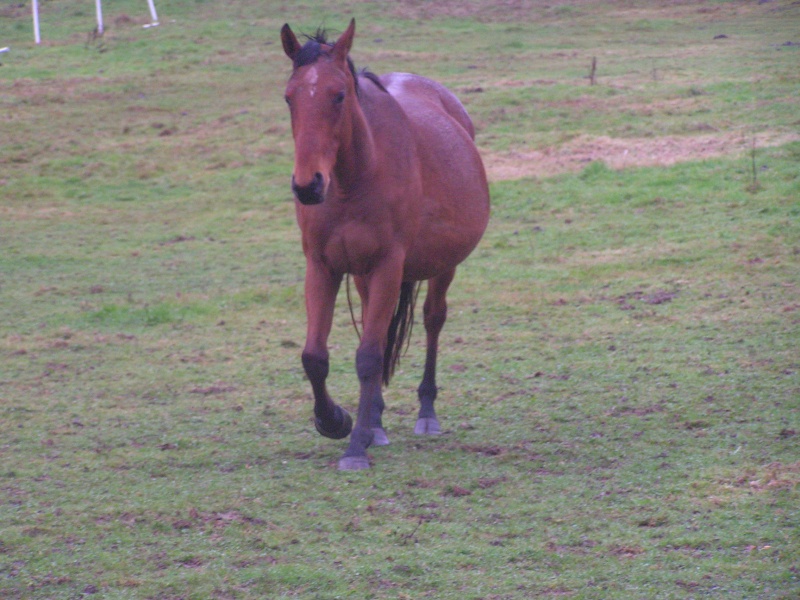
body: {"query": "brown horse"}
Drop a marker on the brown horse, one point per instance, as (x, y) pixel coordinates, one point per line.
(390, 189)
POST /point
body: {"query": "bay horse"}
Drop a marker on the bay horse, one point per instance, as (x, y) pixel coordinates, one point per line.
(390, 189)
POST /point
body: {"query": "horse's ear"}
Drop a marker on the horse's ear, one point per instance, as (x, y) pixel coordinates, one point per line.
(342, 46)
(290, 44)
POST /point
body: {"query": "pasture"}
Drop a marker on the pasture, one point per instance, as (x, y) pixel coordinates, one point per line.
(619, 373)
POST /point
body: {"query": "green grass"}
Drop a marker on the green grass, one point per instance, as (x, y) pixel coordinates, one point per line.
(619, 372)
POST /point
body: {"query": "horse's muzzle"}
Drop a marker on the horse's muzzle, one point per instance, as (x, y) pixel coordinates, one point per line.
(313, 193)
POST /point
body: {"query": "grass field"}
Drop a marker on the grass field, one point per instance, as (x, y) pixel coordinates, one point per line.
(620, 377)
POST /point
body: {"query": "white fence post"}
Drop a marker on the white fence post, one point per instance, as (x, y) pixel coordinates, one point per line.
(153, 12)
(99, 7)
(99, 4)
(36, 35)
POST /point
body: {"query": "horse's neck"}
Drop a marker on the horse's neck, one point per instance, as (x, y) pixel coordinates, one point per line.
(357, 154)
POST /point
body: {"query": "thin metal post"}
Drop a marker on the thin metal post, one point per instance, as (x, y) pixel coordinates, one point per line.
(153, 12)
(99, 4)
(36, 35)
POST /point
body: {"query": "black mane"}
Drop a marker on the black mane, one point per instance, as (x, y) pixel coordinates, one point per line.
(312, 49)
(319, 45)
(373, 78)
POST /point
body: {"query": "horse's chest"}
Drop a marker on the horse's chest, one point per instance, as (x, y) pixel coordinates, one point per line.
(353, 248)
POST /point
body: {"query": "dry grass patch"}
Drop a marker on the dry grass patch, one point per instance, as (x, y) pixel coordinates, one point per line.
(731, 486)
(623, 153)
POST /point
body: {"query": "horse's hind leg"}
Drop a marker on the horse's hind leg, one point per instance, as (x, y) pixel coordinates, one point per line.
(435, 314)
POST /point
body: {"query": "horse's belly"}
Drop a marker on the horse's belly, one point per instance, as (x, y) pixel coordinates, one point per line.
(442, 245)
(454, 217)
(455, 207)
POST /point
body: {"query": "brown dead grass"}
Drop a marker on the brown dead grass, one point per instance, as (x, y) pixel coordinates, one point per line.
(622, 153)
(512, 11)
(502, 10)
(730, 486)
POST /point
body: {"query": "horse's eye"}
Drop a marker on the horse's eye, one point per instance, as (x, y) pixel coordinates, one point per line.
(338, 98)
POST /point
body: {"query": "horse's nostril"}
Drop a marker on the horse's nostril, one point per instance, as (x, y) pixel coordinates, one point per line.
(312, 193)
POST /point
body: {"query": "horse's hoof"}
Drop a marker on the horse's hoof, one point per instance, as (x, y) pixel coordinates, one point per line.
(353, 463)
(427, 426)
(343, 425)
(380, 438)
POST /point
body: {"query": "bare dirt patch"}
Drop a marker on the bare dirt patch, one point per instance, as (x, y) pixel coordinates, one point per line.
(622, 153)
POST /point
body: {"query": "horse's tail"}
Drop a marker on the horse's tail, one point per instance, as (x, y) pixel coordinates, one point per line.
(400, 328)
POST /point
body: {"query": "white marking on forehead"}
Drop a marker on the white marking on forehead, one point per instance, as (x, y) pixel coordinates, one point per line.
(311, 79)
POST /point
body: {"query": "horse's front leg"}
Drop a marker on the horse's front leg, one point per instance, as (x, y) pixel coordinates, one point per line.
(376, 423)
(382, 289)
(321, 288)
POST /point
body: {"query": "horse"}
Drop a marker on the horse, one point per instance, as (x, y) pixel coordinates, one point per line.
(388, 188)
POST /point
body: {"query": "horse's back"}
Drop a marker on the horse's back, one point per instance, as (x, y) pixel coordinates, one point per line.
(407, 87)
(456, 194)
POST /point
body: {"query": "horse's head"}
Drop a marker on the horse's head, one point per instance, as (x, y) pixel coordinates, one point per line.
(320, 95)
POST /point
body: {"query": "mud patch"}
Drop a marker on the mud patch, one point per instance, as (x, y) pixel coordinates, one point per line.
(622, 153)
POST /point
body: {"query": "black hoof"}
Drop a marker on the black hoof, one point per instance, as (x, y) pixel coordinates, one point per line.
(427, 426)
(380, 439)
(340, 428)
(353, 463)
